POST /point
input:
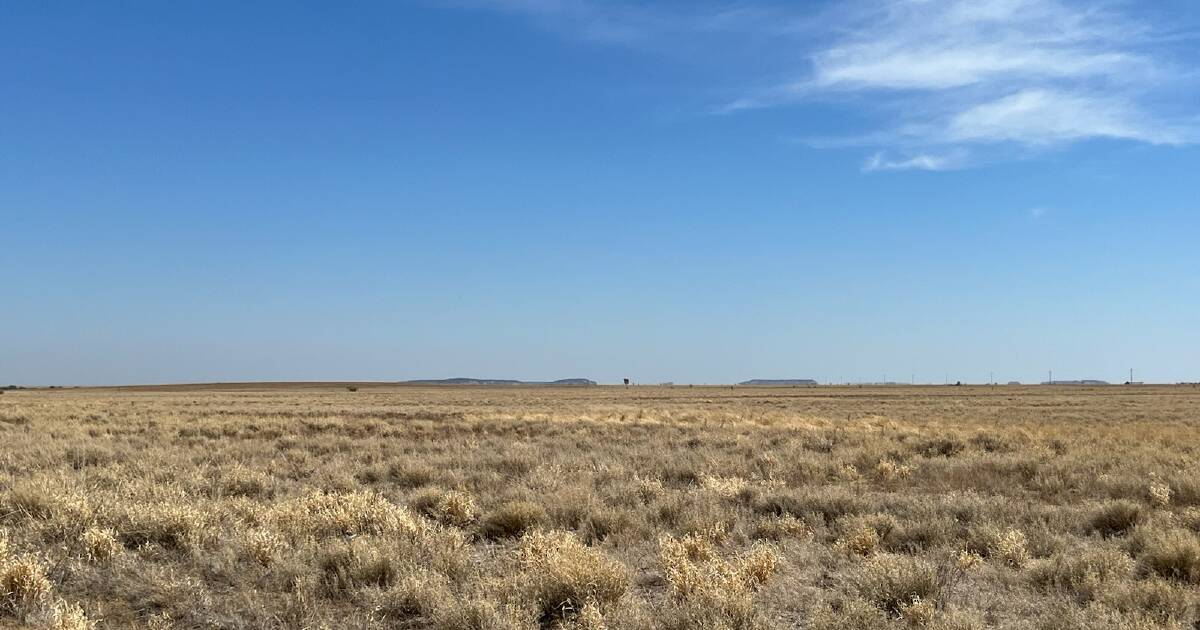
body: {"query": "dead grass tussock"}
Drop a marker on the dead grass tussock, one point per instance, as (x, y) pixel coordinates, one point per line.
(343, 514)
(66, 616)
(513, 519)
(1116, 518)
(24, 587)
(448, 507)
(561, 575)
(1173, 554)
(711, 591)
(100, 544)
(896, 583)
(1082, 573)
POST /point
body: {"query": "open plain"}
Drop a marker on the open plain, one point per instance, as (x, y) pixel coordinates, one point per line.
(312, 506)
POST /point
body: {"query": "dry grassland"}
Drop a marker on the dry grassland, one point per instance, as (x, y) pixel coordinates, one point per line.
(493, 508)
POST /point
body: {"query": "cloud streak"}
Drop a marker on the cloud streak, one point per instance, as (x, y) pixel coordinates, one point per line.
(974, 74)
(880, 161)
(948, 83)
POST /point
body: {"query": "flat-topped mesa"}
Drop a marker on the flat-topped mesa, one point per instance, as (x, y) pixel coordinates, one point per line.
(789, 382)
(499, 381)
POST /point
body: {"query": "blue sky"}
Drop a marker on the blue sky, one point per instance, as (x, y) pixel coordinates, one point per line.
(684, 191)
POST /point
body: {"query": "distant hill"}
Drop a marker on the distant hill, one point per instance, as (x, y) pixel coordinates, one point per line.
(498, 381)
(768, 382)
(1080, 382)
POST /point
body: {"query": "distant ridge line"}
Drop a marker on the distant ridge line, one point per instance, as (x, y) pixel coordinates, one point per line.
(808, 382)
(575, 382)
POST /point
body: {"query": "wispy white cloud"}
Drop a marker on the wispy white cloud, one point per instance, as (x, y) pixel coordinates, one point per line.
(972, 74)
(880, 161)
(1042, 117)
(944, 44)
(949, 83)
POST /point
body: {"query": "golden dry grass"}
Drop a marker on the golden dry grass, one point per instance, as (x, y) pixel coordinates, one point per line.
(318, 507)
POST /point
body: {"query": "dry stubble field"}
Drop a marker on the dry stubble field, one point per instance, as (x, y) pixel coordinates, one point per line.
(497, 508)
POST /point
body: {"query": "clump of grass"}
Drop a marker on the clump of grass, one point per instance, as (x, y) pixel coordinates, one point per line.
(448, 507)
(1009, 546)
(890, 473)
(940, 447)
(1116, 518)
(415, 598)
(1173, 554)
(848, 472)
(864, 534)
(348, 566)
(780, 528)
(99, 544)
(896, 583)
(709, 591)
(64, 616)
(263, 546)
(343, 514)
(89, 455)
(648, 489)
(602, 523)
(411, 474)
(171, 526)
(240, 481)
(862, 540)
(1190, 519)
(918, 612)
(1081, 573)
(562, 575)
(45, 501)
(24, 587)
(727, 487)
(590, 617)
(478, 614)
(1167, 604)
(512, 520)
